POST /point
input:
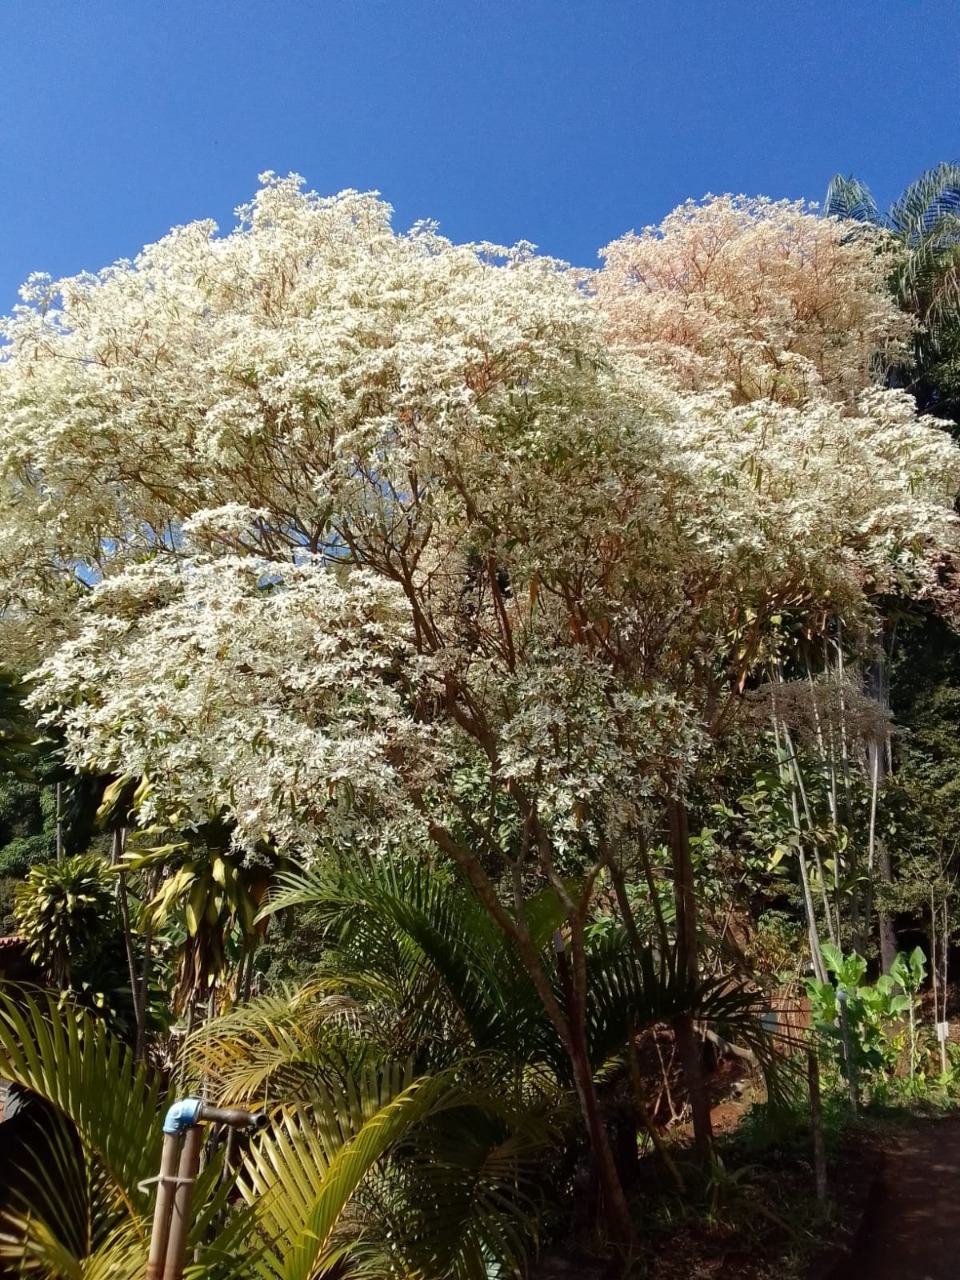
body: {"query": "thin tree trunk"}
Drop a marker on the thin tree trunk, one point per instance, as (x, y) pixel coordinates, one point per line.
(888, 934)
(143, 992)
(59, 821)
(615, 1207)
(248, 974)
(569, 1023)
(880, 755)
(936, 981)
(855, 920)
(816, 1126)
(945, 958)
(816, 955)
(128, 942)
(623, 905)
(654, 895)
(684, 892)
(116, 855)
(798, 787)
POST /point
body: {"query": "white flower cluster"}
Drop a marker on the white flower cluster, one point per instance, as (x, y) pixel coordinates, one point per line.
(241, 686)
(297, 518)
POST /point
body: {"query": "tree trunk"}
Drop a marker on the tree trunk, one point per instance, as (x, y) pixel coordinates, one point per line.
(816, 955)
(879, 756)
(139, 1005)
(143, 992)
(568, 1022)
(684, 892)
(688, 1046)
(246, 986)
(615, 1209)
(888, 935)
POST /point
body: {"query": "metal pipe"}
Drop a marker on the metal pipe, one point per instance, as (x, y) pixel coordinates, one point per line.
(235, 1117)
(166, 1184)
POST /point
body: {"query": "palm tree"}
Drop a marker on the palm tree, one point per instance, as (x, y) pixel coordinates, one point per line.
(417, 936)
(925, 222)
(416, 1093)
(371, 1170)
(416, 949)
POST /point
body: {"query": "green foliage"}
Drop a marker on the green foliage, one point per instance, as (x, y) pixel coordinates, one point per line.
(398, 1171)
(874, 1011)
(27, 826)
(31, 772)
(69, 1059)
(448, 982)
(777, 945)
(438, 1173)
(925, 221)
(922, 800)
(65, 911)
(16, 729)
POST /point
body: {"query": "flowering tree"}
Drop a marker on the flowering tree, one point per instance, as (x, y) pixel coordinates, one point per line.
(756, 295)
(355, 536)
(780, 308)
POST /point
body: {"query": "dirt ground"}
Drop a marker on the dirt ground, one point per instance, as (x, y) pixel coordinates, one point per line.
(912, 1227)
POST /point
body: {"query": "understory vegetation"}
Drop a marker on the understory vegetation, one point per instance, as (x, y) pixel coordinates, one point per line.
(497, 720)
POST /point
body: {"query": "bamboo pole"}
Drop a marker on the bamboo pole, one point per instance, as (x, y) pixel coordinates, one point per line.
(182, 1202)
(166, 1184)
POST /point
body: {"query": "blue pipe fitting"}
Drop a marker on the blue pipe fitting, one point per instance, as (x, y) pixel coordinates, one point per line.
(182, 1115)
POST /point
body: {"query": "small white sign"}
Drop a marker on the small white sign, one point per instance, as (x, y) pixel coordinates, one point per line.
(943, 1031)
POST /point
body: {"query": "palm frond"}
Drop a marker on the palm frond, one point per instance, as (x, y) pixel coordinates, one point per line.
(58, 1190)
(280, 1047)
(630, 993)
(850, 200)
(422, 934)
(70, 1060)
(79, 1210)
(473, 1191)
(40, 1253)
(305, 1171)
(62, 1218)
(934, 195)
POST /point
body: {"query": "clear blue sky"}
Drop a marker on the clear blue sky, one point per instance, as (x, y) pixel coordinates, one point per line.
(558, 122)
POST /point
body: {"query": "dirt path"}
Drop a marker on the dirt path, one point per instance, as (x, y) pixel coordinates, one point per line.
(912, 1228)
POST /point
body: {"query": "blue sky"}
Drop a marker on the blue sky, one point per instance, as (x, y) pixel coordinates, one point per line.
(558, 122)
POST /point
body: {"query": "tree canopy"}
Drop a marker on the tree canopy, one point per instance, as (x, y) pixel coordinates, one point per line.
(319, 539)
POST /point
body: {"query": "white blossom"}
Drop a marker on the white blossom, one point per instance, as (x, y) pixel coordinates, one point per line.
(304, 521)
